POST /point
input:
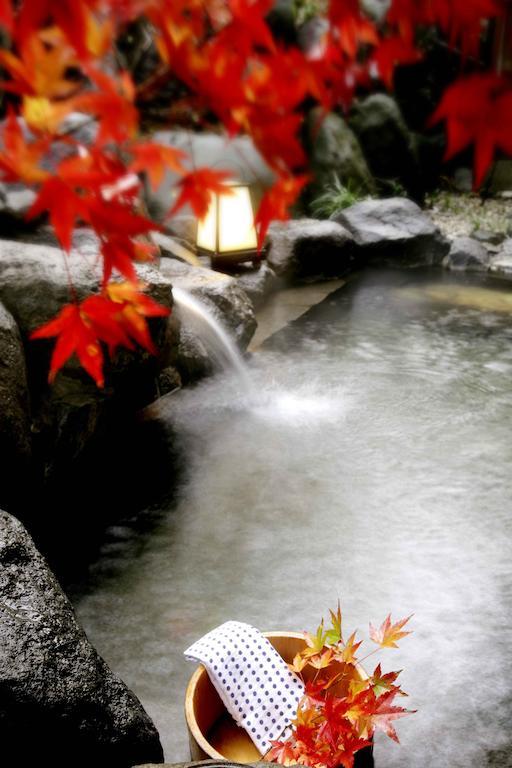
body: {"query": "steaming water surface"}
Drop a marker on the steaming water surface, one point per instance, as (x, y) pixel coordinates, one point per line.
(373, 465)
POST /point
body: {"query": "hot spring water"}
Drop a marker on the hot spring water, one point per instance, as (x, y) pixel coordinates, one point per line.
(373, 465)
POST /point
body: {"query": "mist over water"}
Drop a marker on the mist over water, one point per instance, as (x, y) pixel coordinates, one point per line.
(371, 462)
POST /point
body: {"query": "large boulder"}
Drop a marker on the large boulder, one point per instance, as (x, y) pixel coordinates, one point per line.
(387, 143)
(308, 249)
(335, 153)
(15, 442)
(258, 283)
(467, 255)
(60, 704)
(394, 231)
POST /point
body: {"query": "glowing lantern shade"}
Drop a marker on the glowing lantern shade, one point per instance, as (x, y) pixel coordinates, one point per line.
(227, 231)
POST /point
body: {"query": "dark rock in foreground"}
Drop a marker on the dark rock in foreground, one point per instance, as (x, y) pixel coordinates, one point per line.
(467, 255)
(308, 249)
(60, 704)
(394, 231)
(15, 443)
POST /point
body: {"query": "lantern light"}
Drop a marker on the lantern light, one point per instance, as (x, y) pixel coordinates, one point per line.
(227, 232)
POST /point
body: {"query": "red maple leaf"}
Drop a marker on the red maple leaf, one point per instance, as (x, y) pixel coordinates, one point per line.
(69, 15)
(389, 53)
(197, 188)
(104, 315)
(247, 29)
(6, 15)
(64, 207)
(154, 158)
(112, 217)
(281, 752)
(74, 336)
(384, 714)
(120, 252)
(276, 202)
(92, 168)
(112, 105)
(478, 109)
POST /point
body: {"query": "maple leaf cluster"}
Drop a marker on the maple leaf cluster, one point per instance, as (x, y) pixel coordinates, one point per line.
(342, 707)
(60, 60)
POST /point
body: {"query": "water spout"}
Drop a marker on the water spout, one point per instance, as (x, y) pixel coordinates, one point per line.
(212, 333)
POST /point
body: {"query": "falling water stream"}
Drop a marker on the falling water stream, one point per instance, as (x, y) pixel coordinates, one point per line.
(214, 336)
(375, 466)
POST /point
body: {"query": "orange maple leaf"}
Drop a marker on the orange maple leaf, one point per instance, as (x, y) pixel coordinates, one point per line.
(387, 634)
(20, 159)
(135, 307)
(112, 105)
(154, 158)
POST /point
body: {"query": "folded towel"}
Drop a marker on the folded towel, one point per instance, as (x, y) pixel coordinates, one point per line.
(252, 680)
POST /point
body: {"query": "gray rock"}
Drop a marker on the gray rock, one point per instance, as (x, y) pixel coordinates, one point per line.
(501, 265)
(387, 143)
(466, 254)
(394, 231)
(15, 440)
(185, 229)
(487, 237)
(463, 179)
(34, 281)
(60, 704)
(335, 152)
(311, 33)
(258, 283)
(306, 249)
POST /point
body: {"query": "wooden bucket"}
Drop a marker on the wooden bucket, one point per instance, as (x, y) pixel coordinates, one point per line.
(212, 731)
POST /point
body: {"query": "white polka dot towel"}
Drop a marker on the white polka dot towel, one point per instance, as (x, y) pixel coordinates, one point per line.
(254, 683)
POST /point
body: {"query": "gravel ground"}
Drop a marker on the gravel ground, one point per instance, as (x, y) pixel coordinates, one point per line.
(465, 214)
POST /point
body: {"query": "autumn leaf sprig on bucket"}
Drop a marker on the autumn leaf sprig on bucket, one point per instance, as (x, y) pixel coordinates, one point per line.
(342, 706)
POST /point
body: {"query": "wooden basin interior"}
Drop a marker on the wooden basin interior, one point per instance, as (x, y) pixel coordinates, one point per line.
(212, 731)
